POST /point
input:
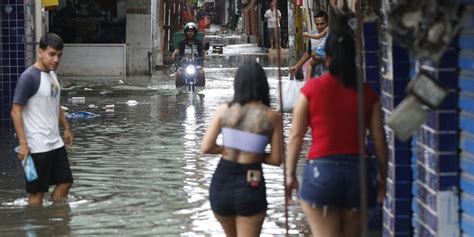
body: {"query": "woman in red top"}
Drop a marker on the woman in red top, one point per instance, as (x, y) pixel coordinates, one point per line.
(328, 105)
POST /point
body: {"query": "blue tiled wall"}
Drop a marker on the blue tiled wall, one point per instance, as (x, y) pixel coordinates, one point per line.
(466, 120)
(395, 71)
(372, 77)
(371, 47)
(435, 148)
(12, 56)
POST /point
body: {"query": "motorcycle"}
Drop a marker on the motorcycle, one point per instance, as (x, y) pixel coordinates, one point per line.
(189, 69)
(190, 73)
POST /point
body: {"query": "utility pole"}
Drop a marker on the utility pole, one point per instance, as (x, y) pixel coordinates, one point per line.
(38, 23)
(295, 30)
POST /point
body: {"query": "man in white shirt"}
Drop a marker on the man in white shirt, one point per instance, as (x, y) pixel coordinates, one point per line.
(36, 115)
(273, 16)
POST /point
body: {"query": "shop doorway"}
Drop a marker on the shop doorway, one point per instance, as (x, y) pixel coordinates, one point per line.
(89, 21)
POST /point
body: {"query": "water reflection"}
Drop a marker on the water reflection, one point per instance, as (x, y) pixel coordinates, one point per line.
(36, 221)
(218, 61)
(138, 170)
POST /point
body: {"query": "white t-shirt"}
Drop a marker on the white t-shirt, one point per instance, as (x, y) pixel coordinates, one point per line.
(39, 93)
(271, 19)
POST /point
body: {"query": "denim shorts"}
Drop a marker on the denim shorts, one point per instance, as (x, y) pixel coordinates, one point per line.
(333, 181)
(230, 194)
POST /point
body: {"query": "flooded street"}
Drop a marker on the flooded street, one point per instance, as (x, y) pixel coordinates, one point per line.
(138, 169)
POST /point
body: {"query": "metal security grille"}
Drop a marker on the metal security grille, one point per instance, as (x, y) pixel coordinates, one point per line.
(173, 20)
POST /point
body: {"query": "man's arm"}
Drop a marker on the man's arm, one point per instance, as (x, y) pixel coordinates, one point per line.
(278, 18)
(306, 56)
(300, 62)
(26, 87)
(303, 59)
(201, 49)
(67, 129)
(175, 52)
(266, 15)
(17, 117)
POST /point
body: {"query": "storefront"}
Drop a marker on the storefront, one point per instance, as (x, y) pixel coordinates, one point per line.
(89, 21)
(107, 37)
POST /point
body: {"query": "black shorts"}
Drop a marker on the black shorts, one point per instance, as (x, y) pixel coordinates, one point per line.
(230, 194)
(52, 168)
(271, 32)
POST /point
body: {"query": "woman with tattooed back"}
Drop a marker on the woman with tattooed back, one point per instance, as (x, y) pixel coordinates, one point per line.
(237, 193)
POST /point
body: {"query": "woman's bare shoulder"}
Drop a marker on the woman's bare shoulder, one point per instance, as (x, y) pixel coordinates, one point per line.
(221, 108)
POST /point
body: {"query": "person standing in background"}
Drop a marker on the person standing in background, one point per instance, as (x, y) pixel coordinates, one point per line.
(185, 15)
(272, 16)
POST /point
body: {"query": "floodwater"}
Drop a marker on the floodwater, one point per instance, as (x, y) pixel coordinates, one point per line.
(138, 169)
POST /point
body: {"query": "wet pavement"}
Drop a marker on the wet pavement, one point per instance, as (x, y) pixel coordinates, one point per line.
(138, 169)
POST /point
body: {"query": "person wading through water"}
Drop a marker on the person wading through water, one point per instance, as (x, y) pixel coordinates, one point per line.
(237, 193)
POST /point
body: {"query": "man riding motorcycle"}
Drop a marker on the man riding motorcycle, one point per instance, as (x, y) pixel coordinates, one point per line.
(190, 47)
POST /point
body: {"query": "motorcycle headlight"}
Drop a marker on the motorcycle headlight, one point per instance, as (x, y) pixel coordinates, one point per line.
(190, 69)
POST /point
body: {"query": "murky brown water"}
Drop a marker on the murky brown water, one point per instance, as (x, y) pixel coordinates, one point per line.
(138, 170)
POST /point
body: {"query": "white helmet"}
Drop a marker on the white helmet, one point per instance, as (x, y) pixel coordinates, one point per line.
(190, 26)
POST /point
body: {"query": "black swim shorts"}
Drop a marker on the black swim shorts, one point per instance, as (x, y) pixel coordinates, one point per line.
(52, 168)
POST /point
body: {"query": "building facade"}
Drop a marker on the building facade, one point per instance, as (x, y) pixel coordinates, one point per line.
(433, 171)
(106, 38)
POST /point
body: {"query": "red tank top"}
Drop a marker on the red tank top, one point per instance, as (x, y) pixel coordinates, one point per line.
(333, 116)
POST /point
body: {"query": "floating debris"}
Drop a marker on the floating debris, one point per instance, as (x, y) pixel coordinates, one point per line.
(78, 100)
(112, 106)
(132, 102)
(81, 115)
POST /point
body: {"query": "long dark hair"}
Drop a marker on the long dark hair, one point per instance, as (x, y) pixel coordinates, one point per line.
(340, 48)
(251, 83)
